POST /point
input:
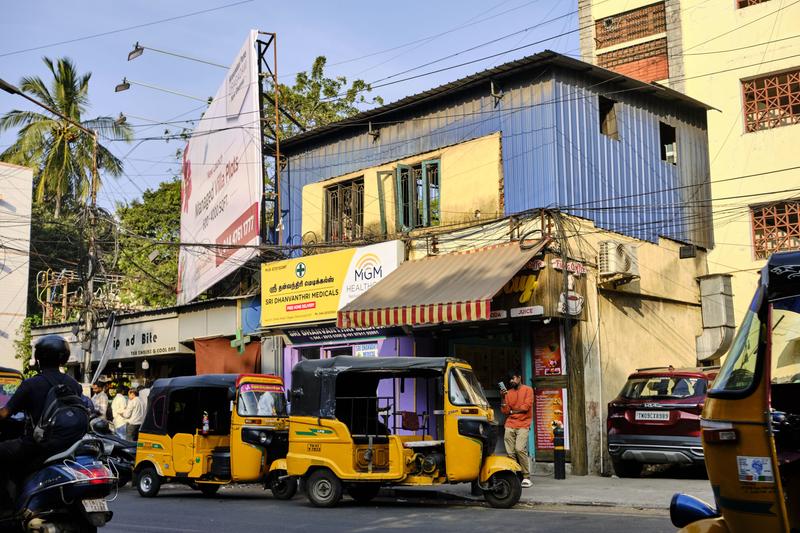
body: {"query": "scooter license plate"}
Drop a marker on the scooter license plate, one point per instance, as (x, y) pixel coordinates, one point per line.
(95, 506)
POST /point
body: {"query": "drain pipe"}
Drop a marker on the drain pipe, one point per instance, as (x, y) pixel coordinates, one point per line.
(719, 325)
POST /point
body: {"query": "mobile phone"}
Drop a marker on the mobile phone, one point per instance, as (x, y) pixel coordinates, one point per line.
(502, 386)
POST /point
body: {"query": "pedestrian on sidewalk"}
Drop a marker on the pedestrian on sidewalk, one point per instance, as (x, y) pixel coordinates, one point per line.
(118, 405)
(133, 414)
(100, 399)
(517, 405)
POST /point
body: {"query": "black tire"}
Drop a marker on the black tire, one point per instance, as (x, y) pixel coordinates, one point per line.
(282, 489)
(505, 491)
(323, 488)
(363, 492)
(86, 527)
(627, 469)
(208, 489)
(148, 482)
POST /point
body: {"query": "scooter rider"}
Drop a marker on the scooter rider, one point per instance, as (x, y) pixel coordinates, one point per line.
(50, 352)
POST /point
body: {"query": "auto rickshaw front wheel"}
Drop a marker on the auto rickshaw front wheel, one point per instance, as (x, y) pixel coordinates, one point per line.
(208, 489)
(505, 490)
(323, 488)
(282, 487)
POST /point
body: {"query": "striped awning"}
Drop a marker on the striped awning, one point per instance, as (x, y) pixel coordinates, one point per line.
(456, 287)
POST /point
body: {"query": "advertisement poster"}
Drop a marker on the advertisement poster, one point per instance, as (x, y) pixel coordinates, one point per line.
(222, 182)
(547, 355)
(550, 407)
(314, 287)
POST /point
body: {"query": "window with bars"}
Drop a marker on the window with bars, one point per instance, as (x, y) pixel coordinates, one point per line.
(772, 101)
(746, 3)
(776, 227)
(344, 209)
(418, 195)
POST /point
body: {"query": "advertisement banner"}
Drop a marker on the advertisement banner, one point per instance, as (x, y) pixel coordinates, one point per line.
(313, 288)
(222, 181)
(327, 334)
(550, 407)
(548, 358)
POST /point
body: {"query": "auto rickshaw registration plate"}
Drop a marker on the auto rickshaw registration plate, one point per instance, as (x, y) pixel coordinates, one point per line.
(652, 415)
(95, 506)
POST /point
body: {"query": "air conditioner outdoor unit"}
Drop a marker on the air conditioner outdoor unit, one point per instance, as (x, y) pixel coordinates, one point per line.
(618, 259)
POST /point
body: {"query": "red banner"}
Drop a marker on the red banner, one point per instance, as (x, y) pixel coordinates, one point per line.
(243, 230)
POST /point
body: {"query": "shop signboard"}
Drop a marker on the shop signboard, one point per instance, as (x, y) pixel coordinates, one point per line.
(550, 408)
(322, 334)
(145, 338)
(313, 288)
(366, 350)
(222, 181)
(538, 290)
(548, 359)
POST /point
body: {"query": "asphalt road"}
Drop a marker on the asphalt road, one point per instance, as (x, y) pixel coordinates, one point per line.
(251, 509)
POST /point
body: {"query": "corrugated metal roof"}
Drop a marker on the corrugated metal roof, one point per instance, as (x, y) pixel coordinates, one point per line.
(543, 59)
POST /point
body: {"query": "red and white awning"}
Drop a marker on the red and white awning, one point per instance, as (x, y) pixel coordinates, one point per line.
(456, 287)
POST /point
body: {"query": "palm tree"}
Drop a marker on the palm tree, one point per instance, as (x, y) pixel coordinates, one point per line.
(58, 151)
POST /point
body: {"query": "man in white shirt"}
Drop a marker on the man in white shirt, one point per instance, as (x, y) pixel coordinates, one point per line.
(100, 399)
(133, 414)
(118, 405)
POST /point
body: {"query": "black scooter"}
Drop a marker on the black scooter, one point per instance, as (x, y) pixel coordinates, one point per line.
(121, 453)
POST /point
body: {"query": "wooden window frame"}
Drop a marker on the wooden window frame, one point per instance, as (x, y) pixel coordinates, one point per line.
(771, 101)
(410, 214)
(741, 4)
(336, 230)
(775, 227)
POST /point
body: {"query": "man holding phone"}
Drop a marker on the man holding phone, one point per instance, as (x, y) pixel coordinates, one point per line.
(517, 405)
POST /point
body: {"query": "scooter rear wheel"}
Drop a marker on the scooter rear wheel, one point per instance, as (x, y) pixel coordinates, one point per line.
(148, 482)
(323, 488)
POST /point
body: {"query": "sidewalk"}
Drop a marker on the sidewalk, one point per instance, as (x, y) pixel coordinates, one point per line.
(645, 493)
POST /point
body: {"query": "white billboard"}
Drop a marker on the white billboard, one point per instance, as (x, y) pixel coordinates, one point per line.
(222, 181)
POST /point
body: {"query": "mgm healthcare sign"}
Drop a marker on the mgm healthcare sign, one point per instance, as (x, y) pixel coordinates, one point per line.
(313, 288)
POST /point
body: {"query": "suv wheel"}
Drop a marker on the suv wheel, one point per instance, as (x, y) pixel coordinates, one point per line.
(627, 468)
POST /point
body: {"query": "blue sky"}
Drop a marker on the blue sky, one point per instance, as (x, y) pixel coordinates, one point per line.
(342, 31)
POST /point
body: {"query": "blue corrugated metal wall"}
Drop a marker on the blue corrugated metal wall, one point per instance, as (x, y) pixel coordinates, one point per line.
(553, 155)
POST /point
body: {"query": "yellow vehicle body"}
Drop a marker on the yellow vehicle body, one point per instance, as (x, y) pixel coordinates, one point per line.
(459, 453)
(750, 424)
(222, 431)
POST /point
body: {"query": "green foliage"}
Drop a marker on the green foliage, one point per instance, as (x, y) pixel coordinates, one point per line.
(60, 154)
(22, 344)
(315, 100)
(151, 269)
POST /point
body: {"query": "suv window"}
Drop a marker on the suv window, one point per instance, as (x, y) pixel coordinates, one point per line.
(664, 387)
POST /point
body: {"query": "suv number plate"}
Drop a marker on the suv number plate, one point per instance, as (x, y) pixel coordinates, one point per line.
(652, 415)
(95, 506)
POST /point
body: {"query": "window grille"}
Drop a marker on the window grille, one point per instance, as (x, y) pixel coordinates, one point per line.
(418, 195)
(772, 101)
(344, 208)
(776, 227)
(747, 3)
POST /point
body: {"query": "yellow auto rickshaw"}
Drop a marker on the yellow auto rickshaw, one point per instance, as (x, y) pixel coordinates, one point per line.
(360, 423)
(751, 421)
(211, 430)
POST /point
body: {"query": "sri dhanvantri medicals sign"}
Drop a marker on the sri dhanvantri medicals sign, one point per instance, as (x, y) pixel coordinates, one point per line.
(222, 182)
(313, 288)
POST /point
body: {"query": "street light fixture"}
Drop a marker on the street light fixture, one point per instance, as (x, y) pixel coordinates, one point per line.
(126, 84)
(136, 52)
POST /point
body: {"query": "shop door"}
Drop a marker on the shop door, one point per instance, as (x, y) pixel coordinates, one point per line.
(491, 360)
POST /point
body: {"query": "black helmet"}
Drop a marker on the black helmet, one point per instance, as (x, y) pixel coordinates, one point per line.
(51, 351)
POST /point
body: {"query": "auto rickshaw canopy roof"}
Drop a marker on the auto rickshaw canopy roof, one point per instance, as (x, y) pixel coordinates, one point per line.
(781, 275)
(14, 371)
(314, 382)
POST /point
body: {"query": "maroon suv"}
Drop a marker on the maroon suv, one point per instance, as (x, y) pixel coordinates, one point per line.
(656, 418)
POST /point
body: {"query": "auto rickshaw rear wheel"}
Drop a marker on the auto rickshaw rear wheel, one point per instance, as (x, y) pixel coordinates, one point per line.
(323, 488)
(148, 482)
(208, 489)
(505, 490)
(282, 487)
(363, 492)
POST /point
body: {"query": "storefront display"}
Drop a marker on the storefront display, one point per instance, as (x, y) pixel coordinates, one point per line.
(547, 355)
(550, 407)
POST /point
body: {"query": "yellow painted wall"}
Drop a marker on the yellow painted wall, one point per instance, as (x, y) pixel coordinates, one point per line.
(470, 177)
(732, 151)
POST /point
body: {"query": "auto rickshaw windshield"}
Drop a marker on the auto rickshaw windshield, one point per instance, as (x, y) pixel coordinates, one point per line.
(8, 386)
(465, 388)
(736, 374)
(261, 399)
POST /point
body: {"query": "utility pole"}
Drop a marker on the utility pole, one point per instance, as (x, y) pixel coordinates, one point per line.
(87, 277)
